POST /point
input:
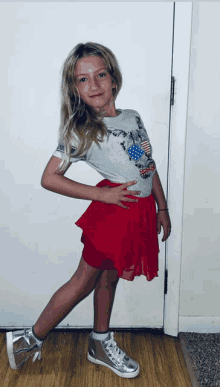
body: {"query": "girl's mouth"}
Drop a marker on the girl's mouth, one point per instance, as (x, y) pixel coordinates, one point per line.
(96, 95)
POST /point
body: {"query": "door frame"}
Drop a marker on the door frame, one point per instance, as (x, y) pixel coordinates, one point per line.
(176, 162)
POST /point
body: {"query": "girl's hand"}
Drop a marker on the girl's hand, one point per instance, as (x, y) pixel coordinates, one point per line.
(163, 219)
(114, 195)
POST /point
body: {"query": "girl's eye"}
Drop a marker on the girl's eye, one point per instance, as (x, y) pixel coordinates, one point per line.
(86, 78)
(81, 79)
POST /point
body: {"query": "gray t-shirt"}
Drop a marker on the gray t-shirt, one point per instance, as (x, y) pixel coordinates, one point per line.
(125, 155)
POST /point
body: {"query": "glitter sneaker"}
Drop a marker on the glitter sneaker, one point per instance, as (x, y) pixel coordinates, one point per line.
(107, 353)
(21, 345)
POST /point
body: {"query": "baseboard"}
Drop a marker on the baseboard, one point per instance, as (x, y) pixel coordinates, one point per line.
(199, 324)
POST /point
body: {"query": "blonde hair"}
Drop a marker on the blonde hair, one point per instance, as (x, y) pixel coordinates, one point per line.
(77, 117)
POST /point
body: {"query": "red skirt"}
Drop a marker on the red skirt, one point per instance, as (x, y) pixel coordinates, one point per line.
(115, 238)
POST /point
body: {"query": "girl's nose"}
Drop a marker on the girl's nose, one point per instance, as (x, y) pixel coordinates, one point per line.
(94, 83)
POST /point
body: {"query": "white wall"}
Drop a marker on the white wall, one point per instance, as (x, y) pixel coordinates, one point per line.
(200, 273)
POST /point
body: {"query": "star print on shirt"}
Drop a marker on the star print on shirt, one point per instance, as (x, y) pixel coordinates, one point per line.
(136, 152)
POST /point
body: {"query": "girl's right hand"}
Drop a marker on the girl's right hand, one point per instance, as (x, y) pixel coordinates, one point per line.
(114, 195)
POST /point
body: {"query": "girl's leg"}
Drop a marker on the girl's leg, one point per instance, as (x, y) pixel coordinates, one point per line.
(103, 299)
(67, 297)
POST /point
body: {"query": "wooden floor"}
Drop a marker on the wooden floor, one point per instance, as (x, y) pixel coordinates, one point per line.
(64, 362)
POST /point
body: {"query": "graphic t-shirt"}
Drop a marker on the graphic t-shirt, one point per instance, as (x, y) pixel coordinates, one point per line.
(124, 155)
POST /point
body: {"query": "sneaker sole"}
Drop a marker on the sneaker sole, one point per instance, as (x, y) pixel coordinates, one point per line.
(123, 375)
(10, 350)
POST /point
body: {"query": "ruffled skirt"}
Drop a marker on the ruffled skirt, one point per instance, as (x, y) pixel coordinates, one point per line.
(115, 238)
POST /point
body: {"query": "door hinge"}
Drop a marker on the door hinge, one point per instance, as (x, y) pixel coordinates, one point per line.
(173, 80)
(165, 281)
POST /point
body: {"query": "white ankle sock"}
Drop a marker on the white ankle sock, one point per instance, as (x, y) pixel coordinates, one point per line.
(36, 337)
(99, 336)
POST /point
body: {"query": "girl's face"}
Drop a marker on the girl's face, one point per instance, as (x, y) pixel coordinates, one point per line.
(92, 78)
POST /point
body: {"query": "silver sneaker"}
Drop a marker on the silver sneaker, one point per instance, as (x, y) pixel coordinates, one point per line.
(107, 353)
(21, 345)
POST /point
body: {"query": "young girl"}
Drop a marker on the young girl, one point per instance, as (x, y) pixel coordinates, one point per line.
(119, 229)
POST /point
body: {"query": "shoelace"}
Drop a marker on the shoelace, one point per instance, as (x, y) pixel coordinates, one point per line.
(38, 353)
(111, 345)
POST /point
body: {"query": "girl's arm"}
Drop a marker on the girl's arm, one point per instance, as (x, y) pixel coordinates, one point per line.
(158, 193)
(56, 182)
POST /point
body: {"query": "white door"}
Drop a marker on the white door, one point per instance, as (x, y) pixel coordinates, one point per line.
(39, 237)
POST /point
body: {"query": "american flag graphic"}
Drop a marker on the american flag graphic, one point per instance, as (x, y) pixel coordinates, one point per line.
(136, 152)
(146, 146)
(147, 170)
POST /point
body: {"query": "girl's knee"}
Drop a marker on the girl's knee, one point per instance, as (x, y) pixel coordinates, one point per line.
(87, 273)
(110, 277)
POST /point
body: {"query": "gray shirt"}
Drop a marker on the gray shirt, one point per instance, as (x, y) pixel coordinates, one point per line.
(125, 155)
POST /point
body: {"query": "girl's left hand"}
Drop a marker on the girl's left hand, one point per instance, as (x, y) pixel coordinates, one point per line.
(163, 219)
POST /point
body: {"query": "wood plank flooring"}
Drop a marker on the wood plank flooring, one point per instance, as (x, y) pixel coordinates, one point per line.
(64, 362)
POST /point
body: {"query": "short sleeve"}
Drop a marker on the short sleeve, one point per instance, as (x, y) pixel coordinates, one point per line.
(146, 139)
(59, 152)
(142, 127)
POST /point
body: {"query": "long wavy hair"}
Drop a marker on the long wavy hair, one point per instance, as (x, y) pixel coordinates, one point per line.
(78, 120)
